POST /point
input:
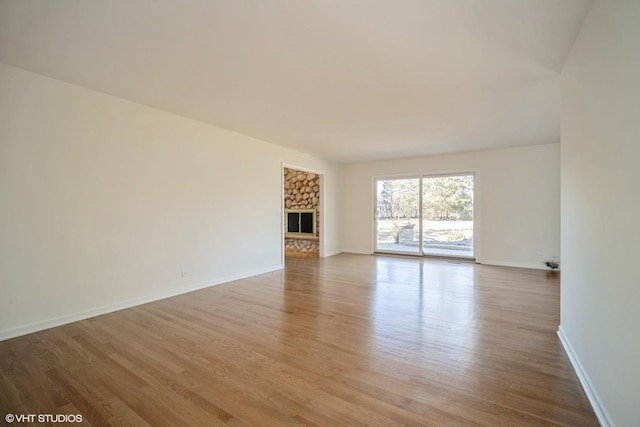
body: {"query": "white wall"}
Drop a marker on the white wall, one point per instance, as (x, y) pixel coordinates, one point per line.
(519, 200)
(105, 202)
(600, 298)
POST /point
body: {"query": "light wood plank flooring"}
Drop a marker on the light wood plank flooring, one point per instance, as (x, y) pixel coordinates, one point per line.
(348, 340)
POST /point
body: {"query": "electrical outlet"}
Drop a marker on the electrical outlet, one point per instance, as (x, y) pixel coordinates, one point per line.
(185, 273)
(541, 255)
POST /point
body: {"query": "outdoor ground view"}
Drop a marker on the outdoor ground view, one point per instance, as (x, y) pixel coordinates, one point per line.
(446, 214)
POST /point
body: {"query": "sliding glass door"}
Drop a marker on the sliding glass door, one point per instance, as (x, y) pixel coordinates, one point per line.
(430, 215)
(398, 215)
(447, 215)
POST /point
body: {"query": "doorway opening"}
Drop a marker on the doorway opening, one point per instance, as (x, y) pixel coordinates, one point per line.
(302, 212)
(426, 215)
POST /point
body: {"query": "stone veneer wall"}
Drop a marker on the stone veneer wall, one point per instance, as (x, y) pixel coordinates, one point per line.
(302, 191)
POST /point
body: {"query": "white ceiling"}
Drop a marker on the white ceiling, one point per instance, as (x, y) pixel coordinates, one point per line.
(347, 80)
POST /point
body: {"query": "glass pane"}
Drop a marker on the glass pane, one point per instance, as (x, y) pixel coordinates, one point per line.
(306, 222)
(293, 222)
(447, 209)
(397, 215)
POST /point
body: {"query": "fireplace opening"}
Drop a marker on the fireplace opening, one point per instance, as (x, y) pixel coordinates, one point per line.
(301, 221)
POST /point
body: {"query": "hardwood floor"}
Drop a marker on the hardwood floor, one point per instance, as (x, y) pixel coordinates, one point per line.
(348, 340)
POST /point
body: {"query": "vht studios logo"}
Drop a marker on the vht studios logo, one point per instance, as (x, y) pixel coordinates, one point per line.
(43, 418)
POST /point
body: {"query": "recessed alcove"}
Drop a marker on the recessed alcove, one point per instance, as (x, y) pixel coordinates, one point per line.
(301, 212)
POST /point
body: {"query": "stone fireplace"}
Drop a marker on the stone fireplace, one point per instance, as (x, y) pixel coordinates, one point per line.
(302, 194)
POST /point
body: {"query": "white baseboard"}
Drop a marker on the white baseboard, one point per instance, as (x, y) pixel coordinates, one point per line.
(106, 309)
(356, 251)
(537, 266)
(332, 253)
(598, 407)
(534, 265)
